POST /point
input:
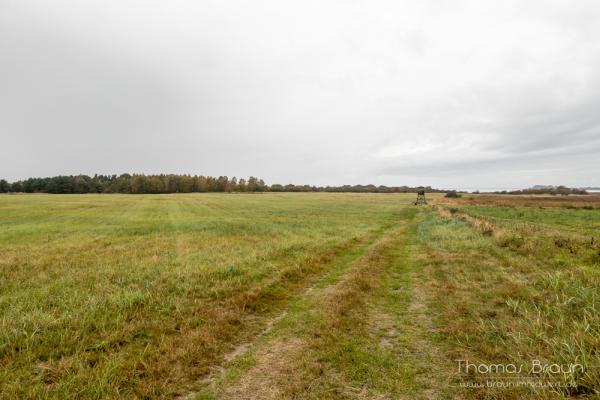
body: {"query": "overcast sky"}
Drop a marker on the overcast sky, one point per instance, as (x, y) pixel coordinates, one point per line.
(441, 93)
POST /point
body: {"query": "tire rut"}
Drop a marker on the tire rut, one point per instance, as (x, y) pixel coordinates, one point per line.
(282, 358)
(314, 284)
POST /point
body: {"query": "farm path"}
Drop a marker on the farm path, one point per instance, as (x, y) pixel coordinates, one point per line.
(361, 331)
(259, 326)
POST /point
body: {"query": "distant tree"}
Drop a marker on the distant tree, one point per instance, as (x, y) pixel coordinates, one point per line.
(211, 184)
(82, 184)
(202, 184)
(16, 187)
(172, 186)
(96, 184)
(242, 185)
(252, 184)
(186, 184)
(164, 179)
(137, 184)
(261, 186)
(120, 184)
(221, 184)
(154, 184)
(30, 185)
(61, 185)
(233, 184)
(163, 183)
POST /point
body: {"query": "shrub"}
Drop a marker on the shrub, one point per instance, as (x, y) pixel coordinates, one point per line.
(452, 194)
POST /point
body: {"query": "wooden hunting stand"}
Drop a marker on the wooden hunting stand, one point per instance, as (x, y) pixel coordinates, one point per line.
(420, 198)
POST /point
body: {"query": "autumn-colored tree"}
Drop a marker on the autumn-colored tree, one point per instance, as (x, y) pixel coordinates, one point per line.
(252, 184)
(163, 183)
(242, 185)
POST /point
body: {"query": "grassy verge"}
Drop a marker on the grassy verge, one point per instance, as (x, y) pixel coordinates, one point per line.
(509, 293)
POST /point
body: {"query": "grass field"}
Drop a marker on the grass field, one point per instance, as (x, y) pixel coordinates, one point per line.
(297, 296)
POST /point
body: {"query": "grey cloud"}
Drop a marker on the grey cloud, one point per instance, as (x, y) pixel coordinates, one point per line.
(392, 92)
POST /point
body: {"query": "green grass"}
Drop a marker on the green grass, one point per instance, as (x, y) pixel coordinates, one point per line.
(528, 289)
(133, 296)
(304, 296)
(585, 221)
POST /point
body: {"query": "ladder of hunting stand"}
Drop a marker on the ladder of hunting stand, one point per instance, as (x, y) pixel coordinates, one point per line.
(420, 198)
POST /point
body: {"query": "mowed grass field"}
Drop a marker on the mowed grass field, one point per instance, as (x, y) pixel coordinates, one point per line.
(296, 296)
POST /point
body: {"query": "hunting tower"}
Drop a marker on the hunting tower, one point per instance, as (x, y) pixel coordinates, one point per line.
(420, 197)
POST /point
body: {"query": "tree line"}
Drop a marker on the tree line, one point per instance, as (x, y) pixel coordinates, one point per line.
(171, 183)
(554, 190)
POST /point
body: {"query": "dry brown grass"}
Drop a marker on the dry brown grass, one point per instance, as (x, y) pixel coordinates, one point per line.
(275, 375)
(570, 201)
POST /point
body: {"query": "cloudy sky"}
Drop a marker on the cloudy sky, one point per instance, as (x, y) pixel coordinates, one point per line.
(442, 93)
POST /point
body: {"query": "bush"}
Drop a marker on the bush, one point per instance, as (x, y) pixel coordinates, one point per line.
(453, 194)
